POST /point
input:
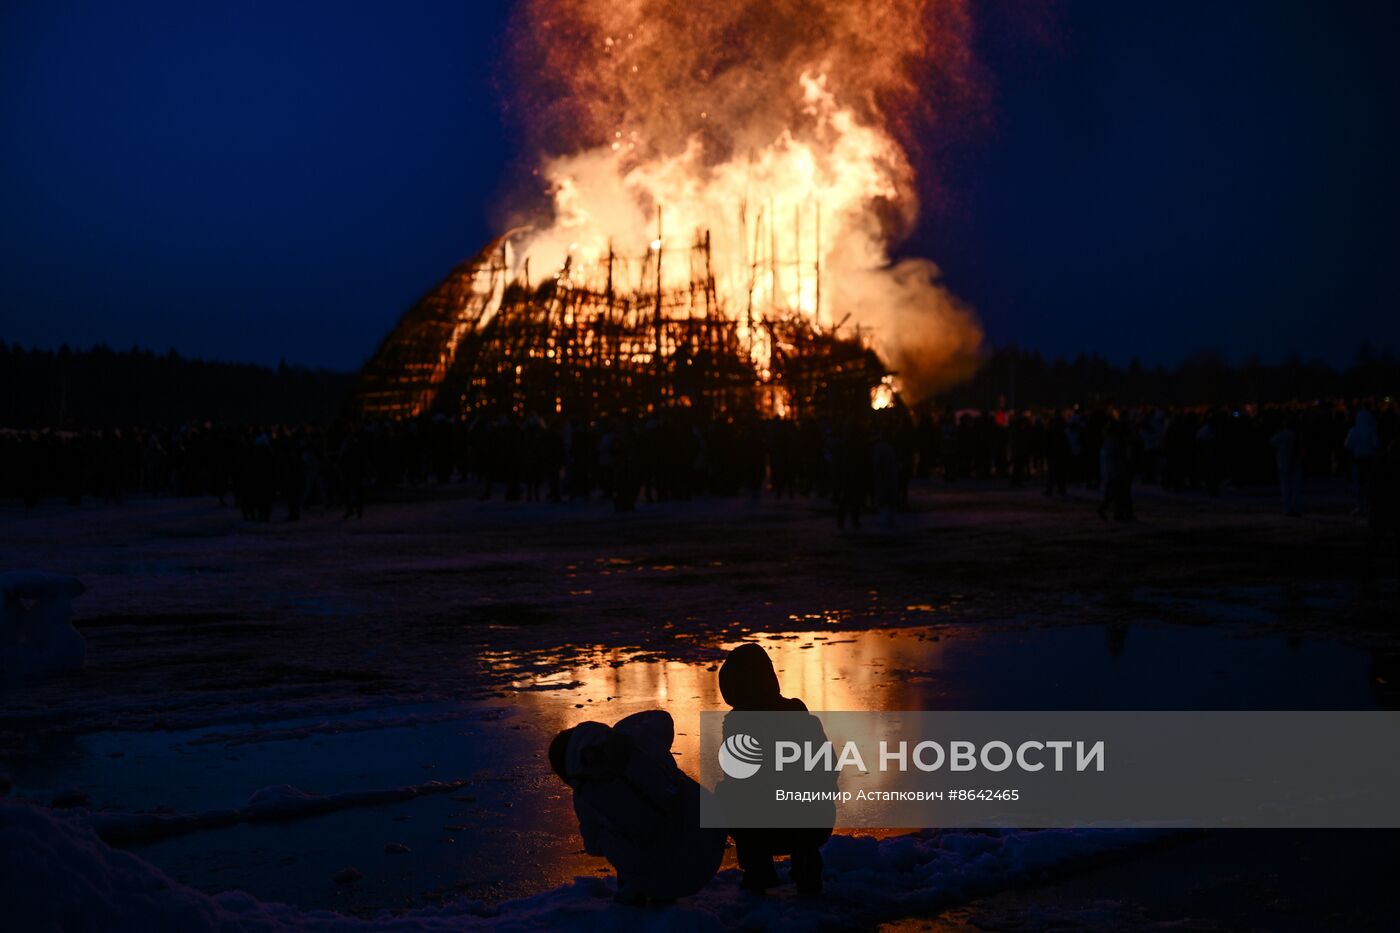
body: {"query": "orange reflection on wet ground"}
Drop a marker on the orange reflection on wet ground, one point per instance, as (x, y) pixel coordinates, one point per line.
(871, 670)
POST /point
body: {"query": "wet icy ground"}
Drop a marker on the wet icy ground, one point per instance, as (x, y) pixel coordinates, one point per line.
(445, 640)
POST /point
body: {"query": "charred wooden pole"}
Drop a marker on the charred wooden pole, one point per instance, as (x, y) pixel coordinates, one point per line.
(657, 353)
(711, 299)
(772, 256)
(817, 267)
(610, 273)
(797, 247)
(753, 276)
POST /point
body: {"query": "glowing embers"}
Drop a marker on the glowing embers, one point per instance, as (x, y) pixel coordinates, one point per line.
(882, 396)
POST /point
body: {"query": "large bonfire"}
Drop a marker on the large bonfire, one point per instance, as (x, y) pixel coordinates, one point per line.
(725, 182)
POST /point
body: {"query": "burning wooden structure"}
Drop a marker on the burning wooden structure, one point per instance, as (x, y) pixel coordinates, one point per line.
(488, 338)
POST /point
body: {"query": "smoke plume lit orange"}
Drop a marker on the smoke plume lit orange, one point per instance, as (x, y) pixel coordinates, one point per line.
(773, 125)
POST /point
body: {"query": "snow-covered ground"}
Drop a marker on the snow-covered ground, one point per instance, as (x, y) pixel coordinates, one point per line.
(56, 867)
(267, 707)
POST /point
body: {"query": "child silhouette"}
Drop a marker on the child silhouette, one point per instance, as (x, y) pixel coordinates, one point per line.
(636, 808)
(749, 684)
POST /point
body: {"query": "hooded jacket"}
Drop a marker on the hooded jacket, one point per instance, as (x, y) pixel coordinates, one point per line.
(637, 809)
(748, 682)
(1363, 441)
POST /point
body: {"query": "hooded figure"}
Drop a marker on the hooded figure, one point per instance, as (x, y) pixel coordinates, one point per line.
(636, 808)
(1384, 517)
(1363, 443)
(749, 684)
(747, 681)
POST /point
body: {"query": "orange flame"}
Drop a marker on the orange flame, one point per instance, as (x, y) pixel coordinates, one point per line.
(770, 124)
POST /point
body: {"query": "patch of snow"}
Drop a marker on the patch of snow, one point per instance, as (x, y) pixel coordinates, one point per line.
(56, 873)
(276, 803)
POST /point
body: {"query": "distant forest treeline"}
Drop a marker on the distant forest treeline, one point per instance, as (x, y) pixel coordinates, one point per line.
(1024, 379)
(102, 387)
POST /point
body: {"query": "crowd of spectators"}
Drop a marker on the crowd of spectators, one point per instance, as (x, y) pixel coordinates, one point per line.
(862, 463)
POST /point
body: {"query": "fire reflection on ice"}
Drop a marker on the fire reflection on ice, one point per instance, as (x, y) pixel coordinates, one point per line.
(827, 671)
(1155, 666)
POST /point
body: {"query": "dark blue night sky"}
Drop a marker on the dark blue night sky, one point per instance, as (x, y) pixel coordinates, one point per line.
(263, 181)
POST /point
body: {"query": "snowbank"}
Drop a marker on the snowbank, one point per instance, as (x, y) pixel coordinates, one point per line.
(270, 804)
(56, 874)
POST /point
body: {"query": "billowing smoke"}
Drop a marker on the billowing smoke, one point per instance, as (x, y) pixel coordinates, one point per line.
(776, 126)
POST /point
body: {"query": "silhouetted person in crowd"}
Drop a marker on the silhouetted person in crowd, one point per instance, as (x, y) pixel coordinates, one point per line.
(636, 808)
(243, 481)
(352, 474)
(1288, 454)
(552, 453)
(313, 483)
(293, 475)
(1208, 443)
(851, 474)
(626, 472)
(1091, 435)
(1057, 456)
(1177, 446)
(153, 465)
(264, 478)
(884, 464)
(509, 445)
(1363, 444)
(749, 684)
(1116, 472)
(948, 444)
(1018, 448)
(1152, 433)
(1384, 498)
(30, 470)
(109, 473)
